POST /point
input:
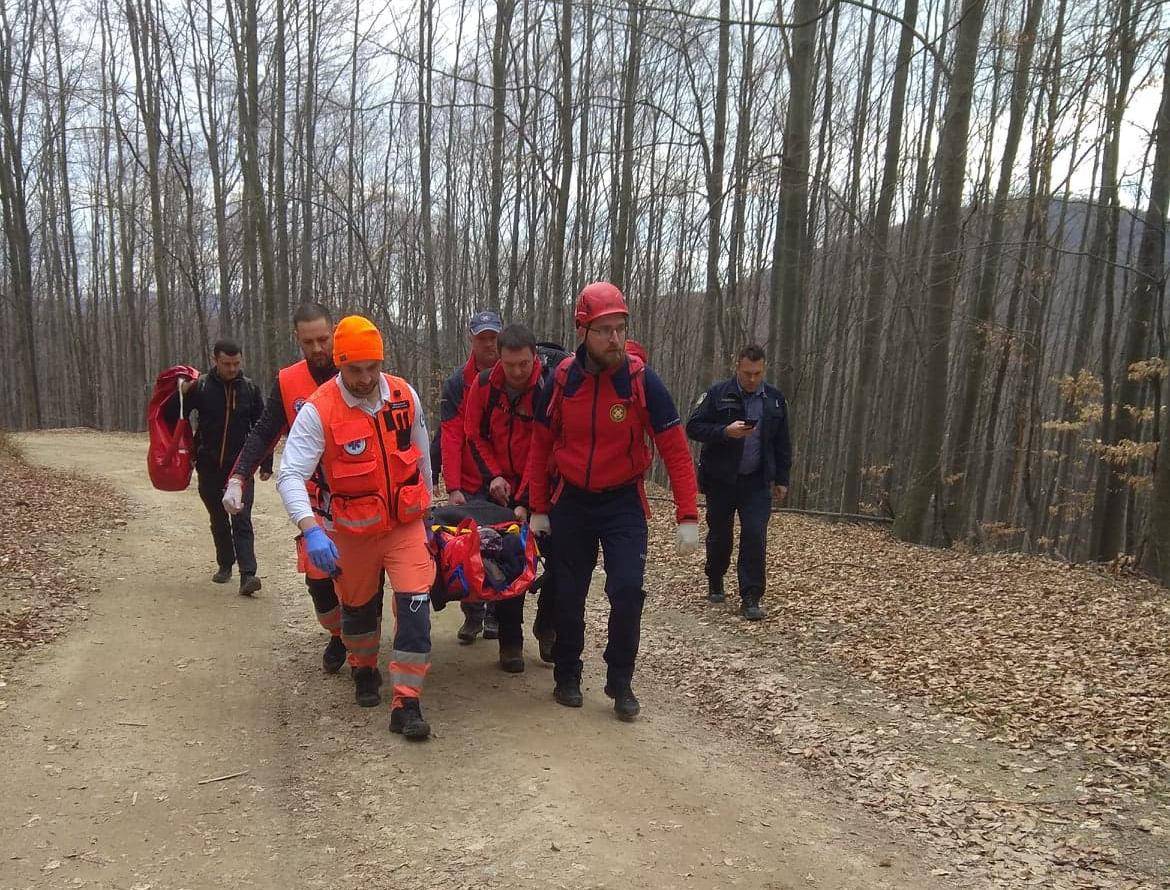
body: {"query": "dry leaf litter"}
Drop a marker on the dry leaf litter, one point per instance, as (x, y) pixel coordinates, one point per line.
(1010, 711)
(51, 526)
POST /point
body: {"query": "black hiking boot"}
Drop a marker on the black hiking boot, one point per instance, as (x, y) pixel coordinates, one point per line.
(545, 639)
(491, 626)
(568, 693)
(334, 655)
(223, 575)
(512, 659)
(715, 592)
(472, 627)
(249, 584)
(408, 721)
(625, 703)
(366, 682)
(750, 608)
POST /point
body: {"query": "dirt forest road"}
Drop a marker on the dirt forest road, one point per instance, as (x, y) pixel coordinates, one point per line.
(110, 732)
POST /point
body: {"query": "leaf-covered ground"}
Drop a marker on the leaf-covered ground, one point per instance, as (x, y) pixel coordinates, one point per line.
(49, 525)
(1011, 711)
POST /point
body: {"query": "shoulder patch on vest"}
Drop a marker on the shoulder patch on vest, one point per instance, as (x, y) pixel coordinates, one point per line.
(617, 413)
(298, 404)
(356, 447)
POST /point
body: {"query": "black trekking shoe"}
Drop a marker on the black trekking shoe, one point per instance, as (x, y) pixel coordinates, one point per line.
(366, 682)
(223, 575)
(408, 721)
(472, 627)
(512, 659)
(715, 592)
(750, 609)
(625, 703)
(334, 655)
(568, 693)
(545, 639)
(249, 584)
(491, 627)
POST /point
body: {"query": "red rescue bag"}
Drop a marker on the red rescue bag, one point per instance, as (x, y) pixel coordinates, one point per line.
(168, 459)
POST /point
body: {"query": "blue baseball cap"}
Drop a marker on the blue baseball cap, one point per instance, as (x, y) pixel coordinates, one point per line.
(485, 320)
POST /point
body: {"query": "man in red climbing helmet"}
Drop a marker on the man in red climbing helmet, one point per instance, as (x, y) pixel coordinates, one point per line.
(594, 419)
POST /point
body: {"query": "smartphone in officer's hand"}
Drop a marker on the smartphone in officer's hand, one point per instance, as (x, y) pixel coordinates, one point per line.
(750, 424)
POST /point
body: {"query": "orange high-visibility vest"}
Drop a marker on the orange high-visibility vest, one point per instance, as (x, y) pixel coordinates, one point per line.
(296, 385)
(371, 466)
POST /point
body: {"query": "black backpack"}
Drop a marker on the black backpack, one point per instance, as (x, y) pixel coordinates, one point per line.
(550, 355)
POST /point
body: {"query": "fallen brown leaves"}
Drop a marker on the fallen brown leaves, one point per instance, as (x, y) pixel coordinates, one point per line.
(1040, 651)
(44, 516)
(1011, 711)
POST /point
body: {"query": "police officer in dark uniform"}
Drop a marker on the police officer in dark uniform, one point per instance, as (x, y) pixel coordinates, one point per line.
(743, 465)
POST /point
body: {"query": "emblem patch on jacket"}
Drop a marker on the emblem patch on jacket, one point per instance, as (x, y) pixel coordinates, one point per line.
(356, 447)
(617, 413)
(298, 404)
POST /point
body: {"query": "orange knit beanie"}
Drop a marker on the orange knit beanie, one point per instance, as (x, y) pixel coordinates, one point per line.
(355, 339)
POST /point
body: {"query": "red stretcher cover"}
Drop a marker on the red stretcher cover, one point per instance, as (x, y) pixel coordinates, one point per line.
(454, 538)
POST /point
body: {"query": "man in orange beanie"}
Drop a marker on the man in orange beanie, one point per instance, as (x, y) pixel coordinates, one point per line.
(367, 433)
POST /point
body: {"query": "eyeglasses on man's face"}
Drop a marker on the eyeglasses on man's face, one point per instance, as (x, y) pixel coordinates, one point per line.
(609, 331)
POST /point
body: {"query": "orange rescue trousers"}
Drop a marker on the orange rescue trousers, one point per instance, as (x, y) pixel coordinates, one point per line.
(402, 553)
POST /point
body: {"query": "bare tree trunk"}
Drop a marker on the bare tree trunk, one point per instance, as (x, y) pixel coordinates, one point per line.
(281, 258)
(556, 295)
(622, 234)
(786, 322)
(308, 148)
(875, 275)
(13, 201)
(504, 10)
(426, 29)
(733, 314)
(950, 166)
(144, 42)
(1102, 270)
(713, 307)
(963, 461)
(1151, 272)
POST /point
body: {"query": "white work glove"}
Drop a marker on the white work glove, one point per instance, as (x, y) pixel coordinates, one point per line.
(233, 496)
(539, 524)
(686, 539)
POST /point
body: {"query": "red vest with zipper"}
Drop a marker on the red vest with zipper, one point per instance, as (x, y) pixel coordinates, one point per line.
(370, 464)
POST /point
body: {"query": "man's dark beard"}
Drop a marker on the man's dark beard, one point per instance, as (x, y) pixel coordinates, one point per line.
(321, 374)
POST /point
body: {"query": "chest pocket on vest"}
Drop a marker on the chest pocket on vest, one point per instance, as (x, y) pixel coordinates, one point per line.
(357, 506)
(357, 453)
(411, 497)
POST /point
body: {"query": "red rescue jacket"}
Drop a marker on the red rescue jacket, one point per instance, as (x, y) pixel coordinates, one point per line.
(499, 432)
(460, 472)
(595, 428)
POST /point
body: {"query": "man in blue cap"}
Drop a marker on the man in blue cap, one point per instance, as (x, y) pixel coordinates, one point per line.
(464, 478)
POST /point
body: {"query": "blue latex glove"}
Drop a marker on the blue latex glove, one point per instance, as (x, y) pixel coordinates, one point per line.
(322, 551)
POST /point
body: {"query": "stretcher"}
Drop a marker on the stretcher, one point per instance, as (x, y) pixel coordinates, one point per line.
(463, 573)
